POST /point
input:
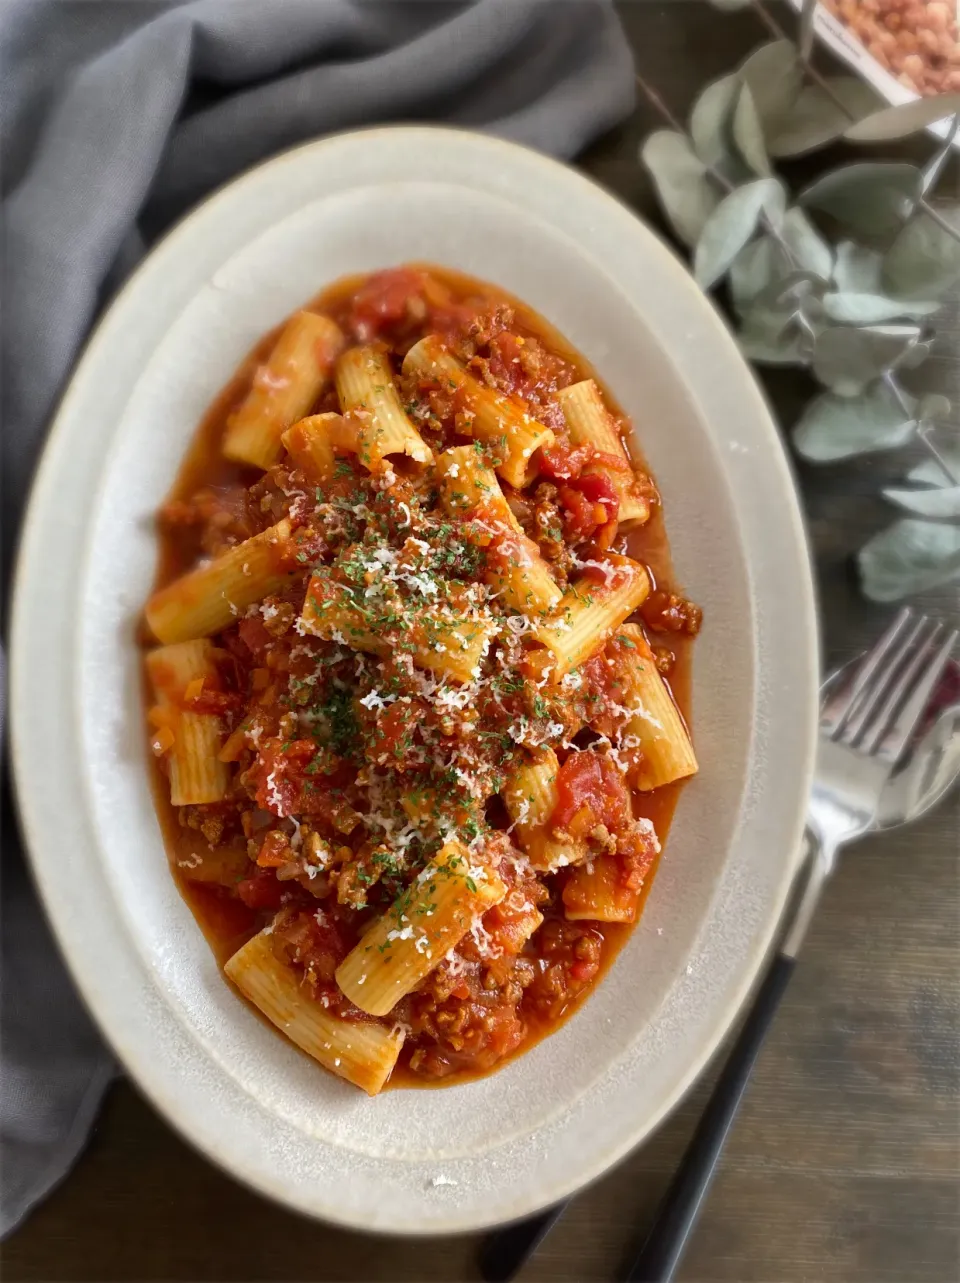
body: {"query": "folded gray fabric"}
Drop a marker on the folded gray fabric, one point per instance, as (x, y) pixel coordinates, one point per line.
(114, 118)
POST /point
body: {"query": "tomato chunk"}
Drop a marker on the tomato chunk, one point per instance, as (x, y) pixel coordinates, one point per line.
(590, 792)
(262, 891)
(215, 702)
(287, 781)
(591, 504)
(254, 635)
(315, 942)
(563, 462)
(384, 299)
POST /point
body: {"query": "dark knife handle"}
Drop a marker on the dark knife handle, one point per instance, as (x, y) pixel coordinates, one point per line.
(677, 1213)
(503, 1252)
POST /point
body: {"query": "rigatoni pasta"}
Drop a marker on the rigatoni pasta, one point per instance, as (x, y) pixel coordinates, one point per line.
(411, 686)
(591, 609)
(314, 443)
(362, 1052)
(213, 595)
(283, 389)
(418, 930)
(595, 892)
(438, 638)
(470, 491)
(530, 796)
(191, 739)
(589, 423)
(486, 414)
(365, 385)
(666, 753)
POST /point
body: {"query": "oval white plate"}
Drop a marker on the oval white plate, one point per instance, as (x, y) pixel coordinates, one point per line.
(464, 1157)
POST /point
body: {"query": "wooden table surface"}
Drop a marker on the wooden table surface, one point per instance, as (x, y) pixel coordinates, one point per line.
(844, 1164)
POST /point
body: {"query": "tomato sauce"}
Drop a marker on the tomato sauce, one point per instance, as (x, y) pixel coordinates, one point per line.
(228, 890)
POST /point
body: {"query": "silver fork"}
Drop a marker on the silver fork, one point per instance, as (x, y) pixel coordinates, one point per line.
(865, 726)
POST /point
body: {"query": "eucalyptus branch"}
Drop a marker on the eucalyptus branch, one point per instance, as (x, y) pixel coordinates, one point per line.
(851, 311)
(675, 123)
(942, 159)
(807, 19)
(778, 32)
(719, 178)
(898, 394)
(769, 21)
(944, 224)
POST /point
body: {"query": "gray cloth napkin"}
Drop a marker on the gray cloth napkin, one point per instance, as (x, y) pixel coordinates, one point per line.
(115, 117)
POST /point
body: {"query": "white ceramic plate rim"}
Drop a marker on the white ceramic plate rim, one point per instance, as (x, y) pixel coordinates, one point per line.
(43, 678)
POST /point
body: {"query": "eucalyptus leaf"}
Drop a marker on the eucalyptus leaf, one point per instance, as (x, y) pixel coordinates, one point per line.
(806, 244)
(687, 194)
(916, 354)
(772, 337)
(943, 503)
(834, 427)
(903, 120)
(754, 269)
(930, 472)
(924, 260)
(711, 117)
(733, 223)
(748, 133)
(871, 309)
(933, 407)
(774, 330)
(909, 557)
(846, 360)
(856, 270)
(936, 164)
(817, 118)
(787, 349)
(774, 73)
(796, 288)
(869, 196)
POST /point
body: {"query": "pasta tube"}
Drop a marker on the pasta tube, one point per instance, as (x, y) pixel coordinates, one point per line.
(420, 928)
(312, 444)
(594, 891)
(437, 639)
(196, 773)
(515, 568)
(365, 385)
(530, 796)
(591, 610)
(666, 753)
(284, 389)
(489, 416)
(212, 596)
(589, 423)
(361, 1051)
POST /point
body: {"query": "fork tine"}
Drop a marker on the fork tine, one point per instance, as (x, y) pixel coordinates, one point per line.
(880, 719)
(885, 673)
(898, 737)
(840, 707)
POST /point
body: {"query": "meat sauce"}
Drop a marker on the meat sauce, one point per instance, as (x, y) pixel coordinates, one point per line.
(496, 1004)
